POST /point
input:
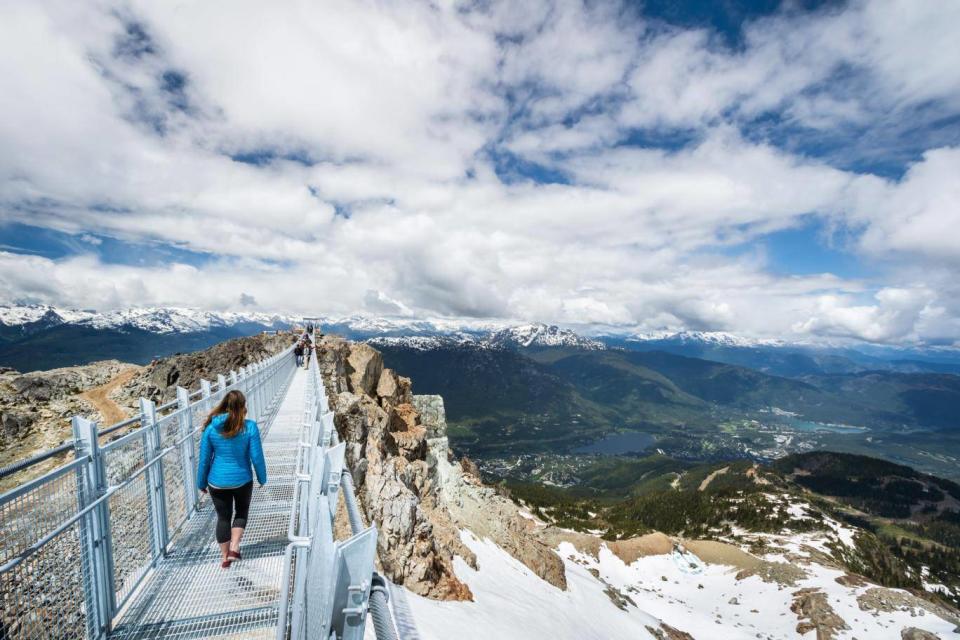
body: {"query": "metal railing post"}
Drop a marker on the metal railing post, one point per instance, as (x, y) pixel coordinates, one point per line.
(155, 487)
(262, 378)
(205, 395)
(188, 454)
(243, 378)
(96, 558)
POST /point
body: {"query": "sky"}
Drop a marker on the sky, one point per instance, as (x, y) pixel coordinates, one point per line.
(774, 169)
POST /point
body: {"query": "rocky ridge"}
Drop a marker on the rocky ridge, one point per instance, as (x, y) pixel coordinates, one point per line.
(159, 380)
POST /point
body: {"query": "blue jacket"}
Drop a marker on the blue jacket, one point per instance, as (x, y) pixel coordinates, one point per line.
(225, 462)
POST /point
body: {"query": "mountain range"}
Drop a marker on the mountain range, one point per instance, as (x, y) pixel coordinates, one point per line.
(38, 337)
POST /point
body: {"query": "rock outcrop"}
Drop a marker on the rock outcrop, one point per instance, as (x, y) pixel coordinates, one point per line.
(816, 614)
(386, 450)
(408, 484)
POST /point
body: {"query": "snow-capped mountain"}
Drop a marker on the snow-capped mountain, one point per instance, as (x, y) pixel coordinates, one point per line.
(542, 335)
(152, 319)
(715, 338)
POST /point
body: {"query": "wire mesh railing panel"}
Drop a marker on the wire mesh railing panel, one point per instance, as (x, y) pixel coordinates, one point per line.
(169, 428)
(132, 536)
(124, 457)
(44, 598)
(37, 511)
(175, 490)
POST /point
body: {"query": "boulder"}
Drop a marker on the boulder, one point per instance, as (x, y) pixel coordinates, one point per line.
(363, 369)
(388, 388)
(13, 425)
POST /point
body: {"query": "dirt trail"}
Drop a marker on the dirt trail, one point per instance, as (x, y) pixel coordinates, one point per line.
(706, 481)
(99, 397)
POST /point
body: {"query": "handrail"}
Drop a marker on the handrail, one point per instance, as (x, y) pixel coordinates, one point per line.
(334, 602)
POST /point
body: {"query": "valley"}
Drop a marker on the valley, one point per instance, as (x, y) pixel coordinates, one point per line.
(558, 400)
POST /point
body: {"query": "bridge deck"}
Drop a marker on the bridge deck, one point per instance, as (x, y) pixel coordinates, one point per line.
(189, 595)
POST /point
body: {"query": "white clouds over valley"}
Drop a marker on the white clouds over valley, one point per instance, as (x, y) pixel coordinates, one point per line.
(553, 161)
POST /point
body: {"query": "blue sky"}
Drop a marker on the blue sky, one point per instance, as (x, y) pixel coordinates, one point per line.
(782, 169)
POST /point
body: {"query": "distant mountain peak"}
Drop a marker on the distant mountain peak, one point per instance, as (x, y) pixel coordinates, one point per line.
(539, 334)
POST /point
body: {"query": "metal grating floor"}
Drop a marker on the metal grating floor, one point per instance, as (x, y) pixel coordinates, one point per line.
(189, 595)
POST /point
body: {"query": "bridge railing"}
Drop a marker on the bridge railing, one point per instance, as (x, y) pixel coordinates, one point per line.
(76, 542)
(327, 584)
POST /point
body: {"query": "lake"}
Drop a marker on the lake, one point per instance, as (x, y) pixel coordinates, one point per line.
(618, 443)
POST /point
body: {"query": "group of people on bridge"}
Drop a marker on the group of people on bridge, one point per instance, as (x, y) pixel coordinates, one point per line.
(303, 349)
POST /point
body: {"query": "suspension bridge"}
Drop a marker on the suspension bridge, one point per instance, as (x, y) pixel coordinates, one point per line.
(119, 543)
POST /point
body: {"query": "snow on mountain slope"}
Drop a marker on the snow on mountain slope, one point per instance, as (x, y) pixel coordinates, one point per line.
(426, 343)
(512, 603)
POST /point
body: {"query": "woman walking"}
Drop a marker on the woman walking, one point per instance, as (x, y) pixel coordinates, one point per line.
(229, 446)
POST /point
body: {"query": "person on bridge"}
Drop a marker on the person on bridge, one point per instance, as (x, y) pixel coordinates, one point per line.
(298, 352)
(307, 348)
(229, 446)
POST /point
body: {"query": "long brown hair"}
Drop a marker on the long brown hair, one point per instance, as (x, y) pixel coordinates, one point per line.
(234, 404)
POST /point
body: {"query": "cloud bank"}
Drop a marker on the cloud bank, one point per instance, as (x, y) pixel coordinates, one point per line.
(569, 162)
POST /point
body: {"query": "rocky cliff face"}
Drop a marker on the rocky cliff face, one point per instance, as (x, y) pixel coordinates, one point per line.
(409, 485)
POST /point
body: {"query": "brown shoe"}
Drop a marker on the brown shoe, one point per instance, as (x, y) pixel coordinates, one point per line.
(226, 564)
(233, 555)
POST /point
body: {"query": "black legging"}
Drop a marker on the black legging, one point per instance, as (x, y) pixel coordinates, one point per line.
(228, 502)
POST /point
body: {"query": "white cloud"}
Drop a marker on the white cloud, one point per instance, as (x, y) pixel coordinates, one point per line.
(893, 316)
(918, 216)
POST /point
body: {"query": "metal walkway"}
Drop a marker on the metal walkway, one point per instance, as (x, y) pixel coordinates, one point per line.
(188, 594)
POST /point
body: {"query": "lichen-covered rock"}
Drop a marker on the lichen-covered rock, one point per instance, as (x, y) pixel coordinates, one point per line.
(405, 390)
(397, 448)
(13, 424)
(432, 414)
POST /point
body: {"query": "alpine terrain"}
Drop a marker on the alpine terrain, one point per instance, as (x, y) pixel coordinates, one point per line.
(821, 543)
